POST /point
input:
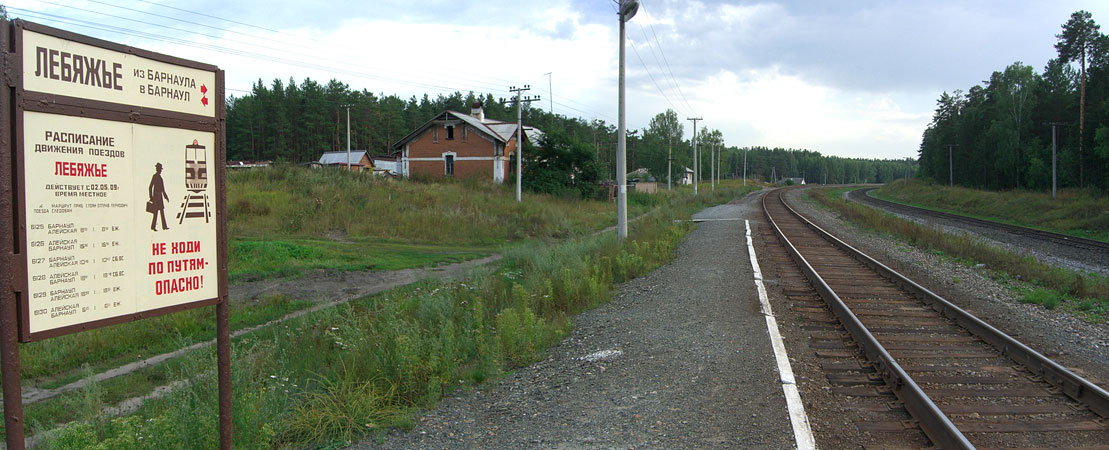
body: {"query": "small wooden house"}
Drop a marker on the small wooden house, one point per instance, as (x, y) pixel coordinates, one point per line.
(359, 160)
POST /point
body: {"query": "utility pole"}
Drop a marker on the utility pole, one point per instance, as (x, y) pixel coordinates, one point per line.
(348, 137)
(550, 90)
(520, 135)
(1054, 125)
(628, 9)
(712, 166)
(950, 166)
(745, 166)
(696, 166)
(669, 157)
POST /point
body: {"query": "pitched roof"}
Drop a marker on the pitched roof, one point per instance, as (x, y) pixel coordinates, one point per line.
(341, 157)
(501, 131)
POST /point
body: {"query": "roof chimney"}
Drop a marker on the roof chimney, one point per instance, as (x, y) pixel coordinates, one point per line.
(477, 111)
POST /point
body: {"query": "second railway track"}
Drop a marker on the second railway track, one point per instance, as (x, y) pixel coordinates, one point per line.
(965, 383)
(863, 195)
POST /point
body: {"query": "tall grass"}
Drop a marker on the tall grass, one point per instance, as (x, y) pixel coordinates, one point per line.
(1076, 212)
(336, 375)
(1082, 286)
(294, 201)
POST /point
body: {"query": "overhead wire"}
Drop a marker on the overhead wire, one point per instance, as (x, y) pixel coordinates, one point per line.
(330, 45)
(237, 52)
(455, 73)
(482, 85)
(674, 79)
(441, 87)
(649, 74)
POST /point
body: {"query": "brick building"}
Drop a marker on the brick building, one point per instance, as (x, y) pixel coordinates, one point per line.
(454, 144)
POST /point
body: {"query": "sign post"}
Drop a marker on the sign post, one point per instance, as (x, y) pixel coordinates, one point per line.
(106, 142)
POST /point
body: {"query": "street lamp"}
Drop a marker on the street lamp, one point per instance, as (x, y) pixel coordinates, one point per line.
(628, 9)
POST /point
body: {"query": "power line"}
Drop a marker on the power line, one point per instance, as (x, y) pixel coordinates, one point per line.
(486, 87)
(236, 52)
(495, 81)
(655, 49)
(649, 74)
(435, 86)
(666, 61)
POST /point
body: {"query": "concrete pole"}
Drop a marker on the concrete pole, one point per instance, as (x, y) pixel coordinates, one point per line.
(348, 139)
(696, 166)
(519, 146)
(550, 89)
(950, 166)
(621, 149)
(1053, 185)
(712, 167)
(744, 167)
(669, 158)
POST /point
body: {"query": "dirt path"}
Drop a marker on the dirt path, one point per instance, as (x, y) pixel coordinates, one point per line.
(680, 358)
(324, 288)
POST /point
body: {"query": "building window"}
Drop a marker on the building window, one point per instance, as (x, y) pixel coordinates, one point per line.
(448, 161)
(450, 132)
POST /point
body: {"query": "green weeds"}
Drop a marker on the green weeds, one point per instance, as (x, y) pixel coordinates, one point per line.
(340, 374)
(112, 346)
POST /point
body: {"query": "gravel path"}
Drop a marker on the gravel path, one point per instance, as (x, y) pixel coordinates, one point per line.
(680, 358)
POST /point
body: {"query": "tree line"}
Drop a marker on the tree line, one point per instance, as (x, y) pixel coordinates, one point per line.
(999, 135)
(291, 122)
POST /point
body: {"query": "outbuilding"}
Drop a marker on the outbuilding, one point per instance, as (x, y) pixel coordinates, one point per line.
(359, 160)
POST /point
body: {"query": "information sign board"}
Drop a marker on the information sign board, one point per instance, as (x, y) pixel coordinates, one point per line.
(119, 219)
(112, 190)
(119, 154)
(54, 65)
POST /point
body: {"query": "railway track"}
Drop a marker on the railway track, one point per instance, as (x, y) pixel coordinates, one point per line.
(964, 383)
(863, 195)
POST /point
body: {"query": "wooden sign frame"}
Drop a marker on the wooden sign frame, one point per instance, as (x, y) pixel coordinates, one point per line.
(15, 103)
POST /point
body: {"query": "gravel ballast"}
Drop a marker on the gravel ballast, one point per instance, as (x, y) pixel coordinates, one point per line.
(680, 358)
(1078, 345)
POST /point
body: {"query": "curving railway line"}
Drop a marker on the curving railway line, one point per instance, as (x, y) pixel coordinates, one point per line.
(964, 383)
(863, 195)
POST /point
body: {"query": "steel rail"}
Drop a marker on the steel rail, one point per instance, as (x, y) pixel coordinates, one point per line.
(1074, 386)
(932, 420)
(1072, 241)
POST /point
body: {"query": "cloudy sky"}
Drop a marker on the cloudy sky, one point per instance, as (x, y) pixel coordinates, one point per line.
(847, 78)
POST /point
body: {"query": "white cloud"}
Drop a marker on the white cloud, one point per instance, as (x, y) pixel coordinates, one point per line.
(768, 107)
(856, 78)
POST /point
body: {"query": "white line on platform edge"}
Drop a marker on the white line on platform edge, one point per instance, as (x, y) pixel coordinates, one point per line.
(802, 434)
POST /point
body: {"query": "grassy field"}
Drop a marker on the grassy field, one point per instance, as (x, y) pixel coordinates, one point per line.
(287, 220)
(260, 248)
(1084, 294)
(352, 370)
(1074, 212)
(288, 201)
